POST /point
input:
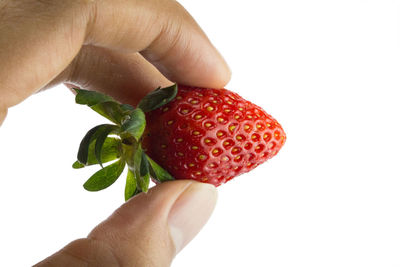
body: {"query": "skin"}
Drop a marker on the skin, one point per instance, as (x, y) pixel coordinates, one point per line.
(125, 48)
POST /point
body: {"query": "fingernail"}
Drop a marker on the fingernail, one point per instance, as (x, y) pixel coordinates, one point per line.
(190, 212)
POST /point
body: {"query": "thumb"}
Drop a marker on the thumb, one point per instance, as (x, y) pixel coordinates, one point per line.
(148, 230)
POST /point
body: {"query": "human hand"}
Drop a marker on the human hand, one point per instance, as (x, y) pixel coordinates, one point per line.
(124, 48)
(148, 230)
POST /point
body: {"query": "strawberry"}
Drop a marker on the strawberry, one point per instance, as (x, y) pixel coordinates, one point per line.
(209, 135)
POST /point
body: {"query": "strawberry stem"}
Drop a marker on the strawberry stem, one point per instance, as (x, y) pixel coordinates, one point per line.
(130, 125)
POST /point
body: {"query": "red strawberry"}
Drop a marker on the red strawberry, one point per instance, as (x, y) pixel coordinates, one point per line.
(210, 135)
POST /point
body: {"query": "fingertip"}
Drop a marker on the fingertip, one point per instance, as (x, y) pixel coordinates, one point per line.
(222, 73)
(219, 75)
(190, 213)
(202, 67)
(139, 227)
(212, 71)
(160, 222)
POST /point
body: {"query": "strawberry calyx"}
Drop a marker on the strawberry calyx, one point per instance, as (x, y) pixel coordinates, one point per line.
(120, 142)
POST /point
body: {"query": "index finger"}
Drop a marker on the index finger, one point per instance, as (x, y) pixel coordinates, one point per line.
(167, 36)
(40, 38)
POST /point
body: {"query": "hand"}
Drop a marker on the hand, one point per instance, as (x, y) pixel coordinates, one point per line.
(125, 48)
(110, 45)
(148, 230)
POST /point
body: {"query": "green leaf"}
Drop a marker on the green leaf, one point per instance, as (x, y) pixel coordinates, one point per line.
(103, 104)
(77, 165)
(110, 110)
(105, 177)
(158, 172)
(130, 186)
(135, 124)
(144, 178)
(137, 159)
(140, 166)
(111, 150)
(144, 182)
(101, 138)
(83, 151)
(158, 98)
(90, 98)
(127, 108)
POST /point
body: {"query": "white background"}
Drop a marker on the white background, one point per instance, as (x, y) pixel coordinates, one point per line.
(329, 71)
